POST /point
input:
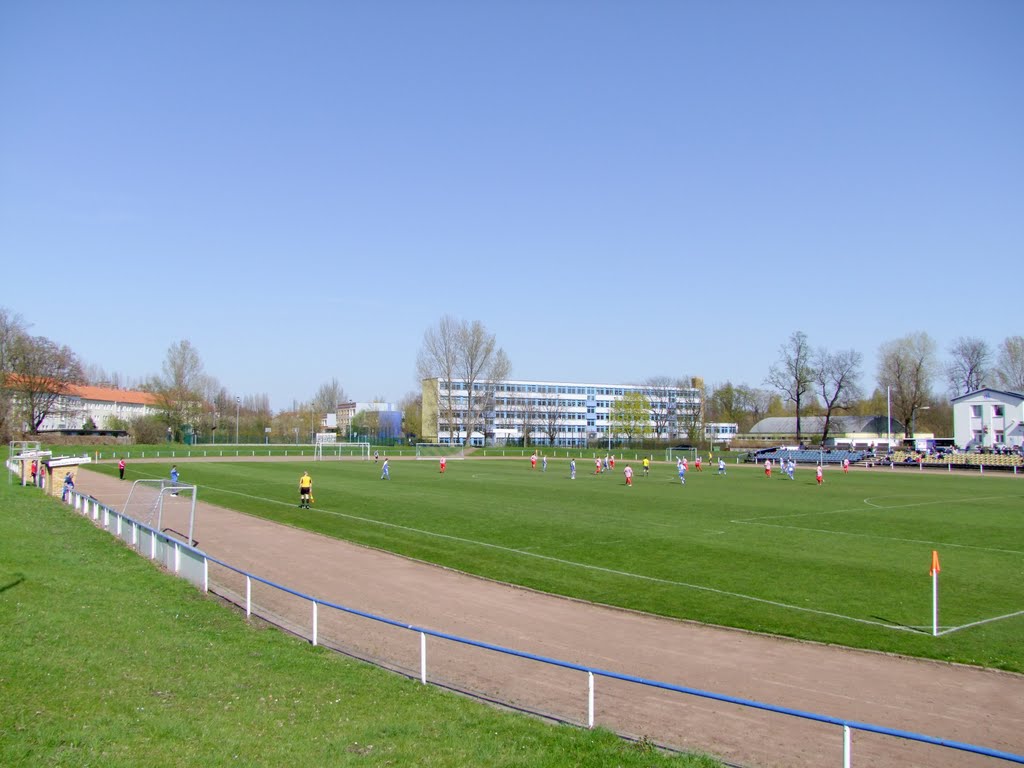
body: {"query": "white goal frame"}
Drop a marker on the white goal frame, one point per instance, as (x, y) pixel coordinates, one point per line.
(333, 449)
(689, 453)
(434, 451)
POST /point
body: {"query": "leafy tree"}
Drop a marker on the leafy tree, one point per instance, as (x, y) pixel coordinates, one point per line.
(1009, 371)
(906, 367)
(630, 416)
(969, 366)
(793, 374)
(148, 429)
(412, 414)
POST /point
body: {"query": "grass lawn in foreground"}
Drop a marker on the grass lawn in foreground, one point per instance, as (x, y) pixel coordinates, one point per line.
(107, 661)
(846, 562)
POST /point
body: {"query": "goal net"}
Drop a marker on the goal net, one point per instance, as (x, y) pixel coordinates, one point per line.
(437, 450)
(163, 506)
(332, 449)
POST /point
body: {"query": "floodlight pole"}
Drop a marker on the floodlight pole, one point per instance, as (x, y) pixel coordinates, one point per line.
(888, 417)
(238, 405)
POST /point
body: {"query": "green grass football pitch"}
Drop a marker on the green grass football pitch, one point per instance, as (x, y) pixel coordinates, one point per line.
(846, 562)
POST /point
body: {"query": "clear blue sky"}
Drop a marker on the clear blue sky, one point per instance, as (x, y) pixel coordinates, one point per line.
(617, 190)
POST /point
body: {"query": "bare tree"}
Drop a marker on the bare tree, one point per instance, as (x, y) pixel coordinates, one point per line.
(12, 328)
(41, 373)
(663, 414)
(182, 387)
(482, 363)
(836, 376)
(906, 367)
(328, 397)
(688, 412)
(457, 350)
(439, 357)
(1009, 372)
(793, 374)
(752, 405)
(968, 368)
(550, 414)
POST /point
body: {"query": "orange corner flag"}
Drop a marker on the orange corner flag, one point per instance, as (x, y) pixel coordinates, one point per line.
(935, 563)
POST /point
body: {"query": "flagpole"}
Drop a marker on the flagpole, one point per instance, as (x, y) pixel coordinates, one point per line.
(935, 593)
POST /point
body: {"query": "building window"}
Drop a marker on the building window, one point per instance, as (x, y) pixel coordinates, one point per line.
(1000, 438)
(976, 411)
(997, 410)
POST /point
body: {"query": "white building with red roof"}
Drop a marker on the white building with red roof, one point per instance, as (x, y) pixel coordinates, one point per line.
(103, 405)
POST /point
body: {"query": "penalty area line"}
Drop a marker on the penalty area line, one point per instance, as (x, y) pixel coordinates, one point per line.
(1005, 616)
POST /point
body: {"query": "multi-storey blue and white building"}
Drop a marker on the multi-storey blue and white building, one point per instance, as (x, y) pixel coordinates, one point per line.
(551, 412)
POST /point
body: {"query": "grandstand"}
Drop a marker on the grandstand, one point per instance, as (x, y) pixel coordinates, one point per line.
(960, 460)
(807, 456)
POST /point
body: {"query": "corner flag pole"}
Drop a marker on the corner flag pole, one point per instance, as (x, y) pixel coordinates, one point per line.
(934, 571)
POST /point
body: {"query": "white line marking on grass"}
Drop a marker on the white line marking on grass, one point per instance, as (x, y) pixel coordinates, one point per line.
(983, 621)
(873, 506)
(930, 542)
(587, 566)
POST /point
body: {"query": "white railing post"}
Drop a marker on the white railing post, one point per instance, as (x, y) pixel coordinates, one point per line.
(177, 557)
(248, 596)
(206, 574)
(590, 700)
(847, 757)
(423, 657)
(315, 616)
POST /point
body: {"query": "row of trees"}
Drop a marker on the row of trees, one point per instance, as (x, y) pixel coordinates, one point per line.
(36, 372)
(816, 381)
(805, 380)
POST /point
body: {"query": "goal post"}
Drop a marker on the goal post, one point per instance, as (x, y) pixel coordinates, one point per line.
(426, 451)
(671, 454)
(333, 449)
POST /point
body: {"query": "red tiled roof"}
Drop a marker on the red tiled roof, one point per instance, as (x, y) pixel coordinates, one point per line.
(111, 395)
(101, 394)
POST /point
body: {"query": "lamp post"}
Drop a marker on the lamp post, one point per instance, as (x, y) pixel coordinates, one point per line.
(238, 405)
